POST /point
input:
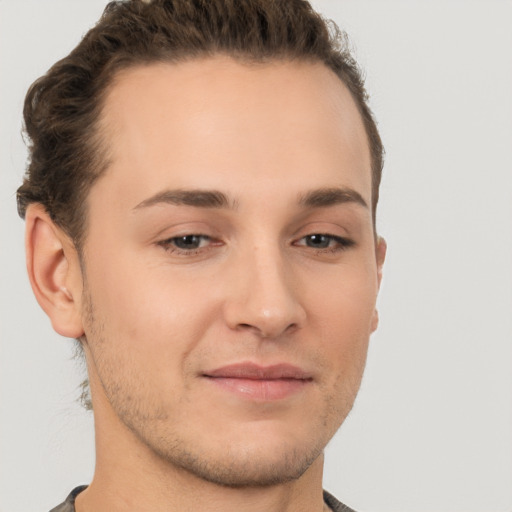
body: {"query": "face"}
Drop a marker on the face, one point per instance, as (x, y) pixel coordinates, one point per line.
(230, 266)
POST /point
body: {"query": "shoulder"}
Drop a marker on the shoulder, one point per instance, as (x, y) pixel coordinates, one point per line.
(69, 504)
(334, 504)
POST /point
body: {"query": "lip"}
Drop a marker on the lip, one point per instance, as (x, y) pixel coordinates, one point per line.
(261, 383)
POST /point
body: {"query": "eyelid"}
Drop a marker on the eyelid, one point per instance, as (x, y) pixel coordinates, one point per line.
(343, 242)
(182, 238)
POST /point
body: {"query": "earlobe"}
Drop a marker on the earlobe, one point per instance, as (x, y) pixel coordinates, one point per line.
(54, 271)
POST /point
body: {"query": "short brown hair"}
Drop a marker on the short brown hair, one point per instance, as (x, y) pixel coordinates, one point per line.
(62, 107)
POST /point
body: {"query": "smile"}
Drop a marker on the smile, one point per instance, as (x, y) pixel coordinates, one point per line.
(260, 383)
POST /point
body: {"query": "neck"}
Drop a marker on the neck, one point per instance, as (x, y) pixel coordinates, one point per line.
(130, 483)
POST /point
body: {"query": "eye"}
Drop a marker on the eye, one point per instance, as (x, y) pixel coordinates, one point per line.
(186, 242)
(323, 241)
(319, 241)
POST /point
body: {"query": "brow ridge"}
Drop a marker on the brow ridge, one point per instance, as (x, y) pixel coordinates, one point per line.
(331, 196)
(198, 198)
(318, 198)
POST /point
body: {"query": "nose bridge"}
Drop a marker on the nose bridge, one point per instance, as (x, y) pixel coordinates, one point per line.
(266, 299)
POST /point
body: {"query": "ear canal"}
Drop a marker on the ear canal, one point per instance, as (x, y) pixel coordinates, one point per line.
(66, 292)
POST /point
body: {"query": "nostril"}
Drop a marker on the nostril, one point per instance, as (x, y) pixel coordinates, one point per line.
(291, 328)
(268, 331)
(251, 328)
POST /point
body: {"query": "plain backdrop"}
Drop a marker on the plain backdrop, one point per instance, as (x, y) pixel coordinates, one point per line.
(431, 430)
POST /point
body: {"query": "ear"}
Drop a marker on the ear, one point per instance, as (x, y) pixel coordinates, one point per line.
(380, 255)
(54, 271)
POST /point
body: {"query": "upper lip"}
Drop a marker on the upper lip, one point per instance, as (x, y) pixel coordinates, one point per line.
(255, 371)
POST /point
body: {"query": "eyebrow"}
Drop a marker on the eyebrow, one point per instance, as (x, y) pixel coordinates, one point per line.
(197, 198)
(319, 198)
(324, 197)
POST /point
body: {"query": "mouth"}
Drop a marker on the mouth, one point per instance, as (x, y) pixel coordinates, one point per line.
(261, 383)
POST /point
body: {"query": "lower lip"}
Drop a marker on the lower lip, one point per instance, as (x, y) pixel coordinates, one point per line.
(261, 389)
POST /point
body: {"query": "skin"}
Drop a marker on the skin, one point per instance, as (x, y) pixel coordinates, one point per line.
(157, 315)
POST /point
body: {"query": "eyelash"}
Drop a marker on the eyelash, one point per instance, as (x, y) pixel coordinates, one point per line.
(341, 243)
(170, 244)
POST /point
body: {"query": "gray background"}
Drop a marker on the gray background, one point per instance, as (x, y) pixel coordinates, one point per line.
(432, 428)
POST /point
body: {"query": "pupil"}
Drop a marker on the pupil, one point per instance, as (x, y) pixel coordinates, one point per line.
(318, 241)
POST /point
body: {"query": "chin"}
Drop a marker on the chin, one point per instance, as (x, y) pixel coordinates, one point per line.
(238, 454)
(246, 468)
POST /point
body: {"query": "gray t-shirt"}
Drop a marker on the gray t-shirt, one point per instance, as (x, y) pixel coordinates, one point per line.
(69, 504)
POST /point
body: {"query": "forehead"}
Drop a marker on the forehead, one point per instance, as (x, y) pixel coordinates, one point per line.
(217, 122)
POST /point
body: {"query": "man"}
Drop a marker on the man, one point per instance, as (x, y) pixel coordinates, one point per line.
(200, 214)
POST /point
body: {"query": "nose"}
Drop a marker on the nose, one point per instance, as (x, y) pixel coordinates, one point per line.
(264, 296)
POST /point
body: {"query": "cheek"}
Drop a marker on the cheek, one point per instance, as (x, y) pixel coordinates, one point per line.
(146, 307)
(341, 312)
(344, 301)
